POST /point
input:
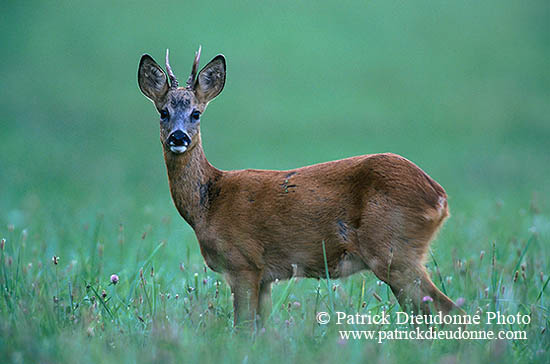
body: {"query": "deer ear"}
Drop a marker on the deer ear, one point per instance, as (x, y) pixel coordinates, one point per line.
(210, 80)
(151, 79)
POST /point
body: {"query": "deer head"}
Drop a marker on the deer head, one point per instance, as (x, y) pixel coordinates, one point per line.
(180, 108)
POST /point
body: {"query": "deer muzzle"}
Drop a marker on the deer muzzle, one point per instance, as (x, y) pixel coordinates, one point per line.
(178, 141)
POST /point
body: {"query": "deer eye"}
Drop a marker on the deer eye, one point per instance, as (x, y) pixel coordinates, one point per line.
(195, 115)
(164, 114)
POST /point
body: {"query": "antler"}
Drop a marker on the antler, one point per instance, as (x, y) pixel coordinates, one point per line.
(173, 79)
(191, 78)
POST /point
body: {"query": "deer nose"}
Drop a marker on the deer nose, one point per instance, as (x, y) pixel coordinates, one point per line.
(179, 139)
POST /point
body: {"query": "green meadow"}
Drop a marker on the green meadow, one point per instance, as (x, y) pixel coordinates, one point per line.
(461, 88)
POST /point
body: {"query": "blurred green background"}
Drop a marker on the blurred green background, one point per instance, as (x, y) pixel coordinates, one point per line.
(462, 88)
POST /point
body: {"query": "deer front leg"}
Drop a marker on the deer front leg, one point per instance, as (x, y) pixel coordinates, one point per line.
(264, 306)
(245, 287)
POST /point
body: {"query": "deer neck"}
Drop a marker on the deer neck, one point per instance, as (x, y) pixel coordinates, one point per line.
(192, 182)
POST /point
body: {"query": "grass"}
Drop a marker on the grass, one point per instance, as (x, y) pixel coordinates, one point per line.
(168, 306)
(459, 88)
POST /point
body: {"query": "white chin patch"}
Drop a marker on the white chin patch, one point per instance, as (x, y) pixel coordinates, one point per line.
(178, 150)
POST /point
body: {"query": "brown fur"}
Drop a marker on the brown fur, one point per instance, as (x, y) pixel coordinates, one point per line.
(376, 212)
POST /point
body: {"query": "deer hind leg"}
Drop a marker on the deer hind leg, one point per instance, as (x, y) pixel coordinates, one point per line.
(400, 266)
(413, 288)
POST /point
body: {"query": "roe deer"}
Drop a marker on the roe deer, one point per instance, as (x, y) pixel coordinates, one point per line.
(376, 212)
